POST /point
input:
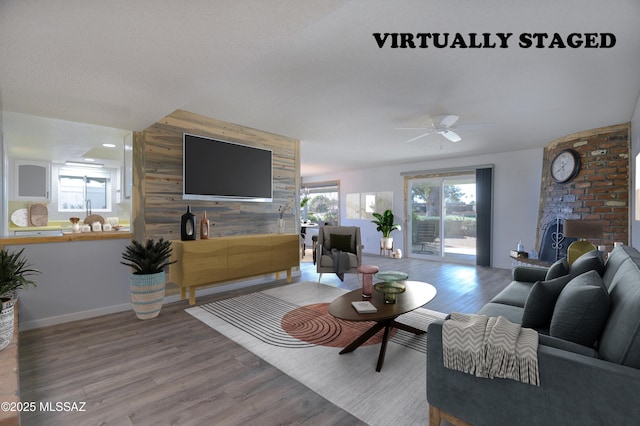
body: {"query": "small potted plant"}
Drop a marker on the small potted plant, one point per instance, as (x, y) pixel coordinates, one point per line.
(14, 270)
(147, 281)
(385, 225)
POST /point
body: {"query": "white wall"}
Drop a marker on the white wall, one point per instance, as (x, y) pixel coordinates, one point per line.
(516, 195)
(80, 279)
(635, 150)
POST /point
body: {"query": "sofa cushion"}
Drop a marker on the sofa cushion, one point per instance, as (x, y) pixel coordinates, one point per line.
(581, 310)
(557, 269)
(327, 244)
(541, 301)
(615, 260)
(341, 242)
(514, 294)
(512, 313)
(590, 261)
(620, 339)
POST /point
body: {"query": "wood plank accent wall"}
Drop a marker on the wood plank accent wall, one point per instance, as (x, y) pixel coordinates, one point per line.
(157, 180)
(601, 191)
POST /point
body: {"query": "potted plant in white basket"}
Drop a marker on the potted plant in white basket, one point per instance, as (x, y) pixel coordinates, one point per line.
(385, 225)
(147, 281)
(14, 270)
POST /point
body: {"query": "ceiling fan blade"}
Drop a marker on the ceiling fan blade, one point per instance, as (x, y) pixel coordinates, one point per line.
(413, 128)
(444, 120)
(420, 136)
(452, 136)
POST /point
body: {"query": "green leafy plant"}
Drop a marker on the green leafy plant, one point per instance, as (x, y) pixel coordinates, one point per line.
(149, 258)
(14, 270)
(385, 223)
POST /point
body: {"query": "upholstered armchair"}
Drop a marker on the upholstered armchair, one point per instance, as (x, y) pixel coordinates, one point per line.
(344, 238)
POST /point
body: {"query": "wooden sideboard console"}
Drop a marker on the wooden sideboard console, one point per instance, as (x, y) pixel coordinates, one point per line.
(219, 259)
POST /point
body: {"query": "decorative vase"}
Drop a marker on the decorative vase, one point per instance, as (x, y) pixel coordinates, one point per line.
(6, 322)
(188, 226)
(75, 226)
(147, 294)
(392, 284)
(281, 226)
(204, 227)
(390, 290)
(386, 243)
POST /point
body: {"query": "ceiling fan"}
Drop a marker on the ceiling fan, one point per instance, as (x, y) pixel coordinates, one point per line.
(441, 125)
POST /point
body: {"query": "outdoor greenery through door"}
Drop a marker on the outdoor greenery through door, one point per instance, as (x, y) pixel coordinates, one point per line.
(442, 221)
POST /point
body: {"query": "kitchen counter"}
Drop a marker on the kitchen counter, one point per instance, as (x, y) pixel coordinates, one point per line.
(81, 236)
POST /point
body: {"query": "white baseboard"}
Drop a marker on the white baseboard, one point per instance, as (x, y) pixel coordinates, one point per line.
(73, 316)
(106, 310)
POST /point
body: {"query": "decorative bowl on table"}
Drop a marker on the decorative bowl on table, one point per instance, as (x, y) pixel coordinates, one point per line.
(390, 286)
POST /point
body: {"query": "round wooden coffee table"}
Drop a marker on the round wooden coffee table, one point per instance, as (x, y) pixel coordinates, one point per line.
(417, 294)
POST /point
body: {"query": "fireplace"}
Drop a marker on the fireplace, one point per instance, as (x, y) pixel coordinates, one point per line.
(554, 244)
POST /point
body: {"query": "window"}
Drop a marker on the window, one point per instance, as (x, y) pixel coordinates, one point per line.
(322, 202)
(83, 192)
(363, 205)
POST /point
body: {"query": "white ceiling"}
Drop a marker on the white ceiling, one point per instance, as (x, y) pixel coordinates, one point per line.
(313, 71)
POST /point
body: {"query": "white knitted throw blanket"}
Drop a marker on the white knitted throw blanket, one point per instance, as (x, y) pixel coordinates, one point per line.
(490, 347)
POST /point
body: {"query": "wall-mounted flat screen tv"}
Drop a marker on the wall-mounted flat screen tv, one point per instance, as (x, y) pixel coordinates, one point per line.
(219, 170)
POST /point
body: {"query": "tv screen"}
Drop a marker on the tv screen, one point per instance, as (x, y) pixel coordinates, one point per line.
(220, 170)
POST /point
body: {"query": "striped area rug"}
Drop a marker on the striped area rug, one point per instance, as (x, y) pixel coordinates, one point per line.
(290, 328)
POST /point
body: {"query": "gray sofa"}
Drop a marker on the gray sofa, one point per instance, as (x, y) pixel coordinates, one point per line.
(588, 354)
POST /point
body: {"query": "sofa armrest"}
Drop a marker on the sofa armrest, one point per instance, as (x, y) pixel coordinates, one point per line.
(574, 390)
(529, 274)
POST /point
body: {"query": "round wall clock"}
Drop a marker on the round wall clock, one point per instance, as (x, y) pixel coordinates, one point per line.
(565, 166)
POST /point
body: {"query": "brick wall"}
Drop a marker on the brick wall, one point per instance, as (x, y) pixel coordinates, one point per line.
(600, 191)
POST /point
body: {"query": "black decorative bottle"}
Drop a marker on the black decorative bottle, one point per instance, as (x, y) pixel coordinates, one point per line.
(188, 226)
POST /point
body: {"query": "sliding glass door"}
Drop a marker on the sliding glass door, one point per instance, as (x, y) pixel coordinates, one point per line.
(443, 217)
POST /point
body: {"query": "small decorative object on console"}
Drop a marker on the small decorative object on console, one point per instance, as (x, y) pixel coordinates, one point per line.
(204, 227)
(188, 226)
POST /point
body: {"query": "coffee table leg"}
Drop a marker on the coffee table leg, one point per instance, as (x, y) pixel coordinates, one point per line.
(387, 325)
(407, 328)
(383, 346)
(363, 338)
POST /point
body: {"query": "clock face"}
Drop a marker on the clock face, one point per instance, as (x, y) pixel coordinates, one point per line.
(565, 166)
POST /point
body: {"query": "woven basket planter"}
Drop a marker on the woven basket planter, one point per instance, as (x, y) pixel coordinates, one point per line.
(147, 294)
(6, 323)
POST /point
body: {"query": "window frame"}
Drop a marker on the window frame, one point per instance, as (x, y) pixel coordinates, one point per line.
(82, 173)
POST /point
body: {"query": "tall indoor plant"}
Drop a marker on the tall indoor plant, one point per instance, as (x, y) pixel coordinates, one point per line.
(385, 225)
(148, 278)
(14, 270)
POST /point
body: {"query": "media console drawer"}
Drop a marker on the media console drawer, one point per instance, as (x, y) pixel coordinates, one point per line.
(219, 259)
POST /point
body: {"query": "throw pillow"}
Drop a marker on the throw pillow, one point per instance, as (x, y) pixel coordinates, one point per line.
(582, 310)
(558, 269)
(340, 242)
(538, 308)
(587, 262)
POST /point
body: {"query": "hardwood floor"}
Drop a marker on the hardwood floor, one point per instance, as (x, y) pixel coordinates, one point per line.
(176, 370)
